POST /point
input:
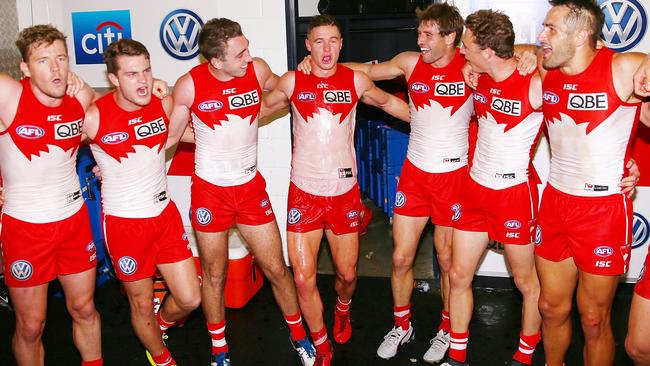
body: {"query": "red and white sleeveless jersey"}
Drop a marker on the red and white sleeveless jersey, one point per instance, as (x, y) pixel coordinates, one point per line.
(130, 150)
(441, 108)
(590, 129)
(38, 154)
(324, 162)
(508, 128)
(225, 116)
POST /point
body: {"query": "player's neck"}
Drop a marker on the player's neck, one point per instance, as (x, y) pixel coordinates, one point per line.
(323, 73)
(43, 98)
(219, 74)
(580, 61)
(124, 103)
(446, 59)
(501, 69)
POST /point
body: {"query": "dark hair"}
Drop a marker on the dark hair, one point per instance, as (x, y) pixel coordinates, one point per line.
(122, 47)
(583, 14)
(447, 18)
(37, 35)
(214, 36)
(492, 29)
(322, 20)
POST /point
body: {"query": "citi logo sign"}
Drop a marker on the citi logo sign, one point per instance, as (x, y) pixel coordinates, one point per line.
(210, 106)
(179, 34)
(30, 132)
(625, 23)
(419, 88)
(306, 96)
(550, 98)
(93, 31)
(115, 138)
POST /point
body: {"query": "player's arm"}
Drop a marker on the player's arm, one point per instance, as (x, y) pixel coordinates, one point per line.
(387, 70)
(642, 78)
(91, 122)
(266, 78)
(279, 97)
(624, 66)
(10, 90)
(535, 91)
(182, 98)
(372, 95)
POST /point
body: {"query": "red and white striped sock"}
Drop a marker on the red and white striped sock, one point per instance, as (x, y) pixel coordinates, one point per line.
(458, 346)
(295, 326)
(445, 324)
(97, 362)
(342, 308)
(321, 342)
(164, 324)
(164, 359)
(218, 335)
(402, 316)
(527, 346)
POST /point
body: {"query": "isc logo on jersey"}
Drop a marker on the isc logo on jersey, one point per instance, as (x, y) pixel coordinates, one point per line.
(587, 101)
(625, 23)
(506, 106)
(243, 100)
(67, 130)
(337, 96)
(149, 129)
(449, 89)
(93, 31)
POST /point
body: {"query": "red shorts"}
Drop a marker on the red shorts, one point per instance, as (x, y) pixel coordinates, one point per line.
(595, 231)
(35, 254)
(217, 208)
(137, 245)
(507, 215)
(307, 212)
(423, 194)
(642, 287)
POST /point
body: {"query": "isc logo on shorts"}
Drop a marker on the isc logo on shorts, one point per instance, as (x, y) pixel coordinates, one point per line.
(22, 270)
(294, 216)
(587, 101)
(203, 216)
(337, 96)
(449, 89)
(604, 251)
(506, 106)
(127, 265)
(67, 130)
(243, 100)
(148, 129)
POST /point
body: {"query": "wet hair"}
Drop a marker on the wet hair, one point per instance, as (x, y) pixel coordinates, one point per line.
(34, 36)
(583, 14)
(492, 29)
(122, 47)
(214, 36)
(321, 21)
(447, 18)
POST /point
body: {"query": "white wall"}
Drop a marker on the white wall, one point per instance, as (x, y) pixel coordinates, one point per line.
(307, 8)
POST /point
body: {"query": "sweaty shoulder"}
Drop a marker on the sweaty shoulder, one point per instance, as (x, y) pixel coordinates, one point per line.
(407, 60)
(91, 121)
(10, 91)
(184, 90)
(623, 67)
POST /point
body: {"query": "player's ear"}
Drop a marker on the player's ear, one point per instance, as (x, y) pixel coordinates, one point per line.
(113, 79)
(25, 69)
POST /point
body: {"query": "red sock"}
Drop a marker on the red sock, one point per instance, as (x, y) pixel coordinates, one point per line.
(402, 316)
(445, 324)
(295, 326)
(218, 335)
(164, 359)
(97, 362)
(341, 307)
(164, 324)
(458, 347)
(321, 342)
(527, 346)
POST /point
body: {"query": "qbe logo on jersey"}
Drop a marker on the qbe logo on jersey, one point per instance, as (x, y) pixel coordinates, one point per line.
(93, 31)
(625, 23)
(179, 34)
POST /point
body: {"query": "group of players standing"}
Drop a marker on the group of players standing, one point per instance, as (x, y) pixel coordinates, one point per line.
(583, 92)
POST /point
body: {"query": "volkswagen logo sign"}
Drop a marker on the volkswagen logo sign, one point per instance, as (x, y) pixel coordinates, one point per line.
(625, 23)
(640, 230)
(400, 199)
(127, 265)
(179, 34)
(22, 270)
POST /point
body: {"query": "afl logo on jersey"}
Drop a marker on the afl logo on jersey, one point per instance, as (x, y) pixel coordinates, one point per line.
(306, 96)
(30, 132)
(115, 138)
(640, 230)
(550, 98)
(625, 23)
(67, 130)
(419, 88)
(243, 100)
(294, 216)
(603, 251)
(179, 34)
(210, 106)
(203, 216)
(22, 270)
(152, 128)
(127, 265)
(479, 97)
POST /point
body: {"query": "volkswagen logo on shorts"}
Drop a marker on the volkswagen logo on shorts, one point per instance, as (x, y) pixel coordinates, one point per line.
(22, 270)
(127, 265)
(179, 34)
(640, 230)
(457, 212)
(604, 251)
(203, 216)
(538, 235)
(400, 199)
(625, 23)
(294, 216)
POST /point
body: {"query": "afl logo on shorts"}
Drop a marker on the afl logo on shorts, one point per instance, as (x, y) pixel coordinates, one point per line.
(22, 270)
(640, 230)
(203, 216)
(538, 235)
(457, 212)
(127, 265)
(179, 34)
(90, 247)
(512, 224)
(400, 199)
(264, 203)
(353, 214)
(294, 216)
(603, 251)
(625, 23)
(419, 88)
